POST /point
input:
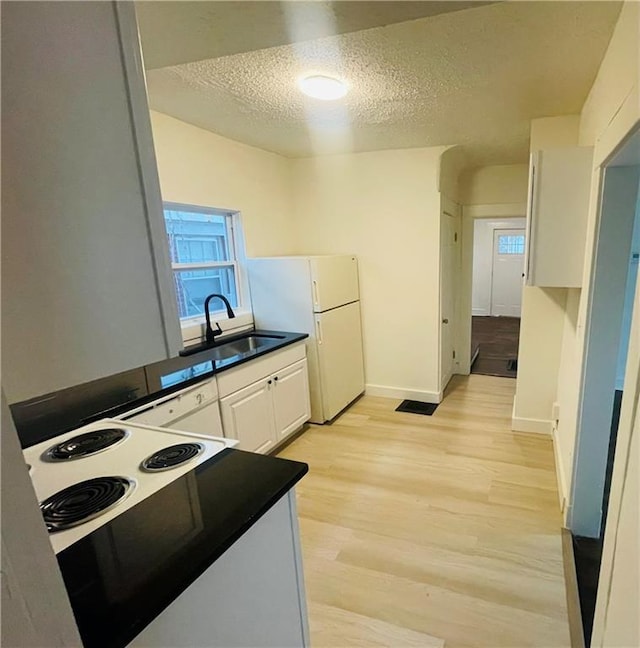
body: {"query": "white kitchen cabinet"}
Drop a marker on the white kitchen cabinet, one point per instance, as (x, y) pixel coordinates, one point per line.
(87, 289)
(290, 393)
(247, 415)
(558, 205)
(265, 401)
(255, 589)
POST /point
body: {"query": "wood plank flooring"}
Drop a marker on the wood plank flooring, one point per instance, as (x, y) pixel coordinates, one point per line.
(431, 531)
(496, 339)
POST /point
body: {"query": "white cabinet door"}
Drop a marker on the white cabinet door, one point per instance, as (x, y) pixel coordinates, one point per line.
(247, 415)
(291, 405)
(86, 292)
(559, 191)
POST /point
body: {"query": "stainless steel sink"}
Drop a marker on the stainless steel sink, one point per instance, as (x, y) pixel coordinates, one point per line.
(244, 345)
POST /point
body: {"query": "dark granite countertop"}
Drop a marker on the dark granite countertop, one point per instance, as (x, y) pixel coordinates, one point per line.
(49, 415)
(207, 366)
(121, 576)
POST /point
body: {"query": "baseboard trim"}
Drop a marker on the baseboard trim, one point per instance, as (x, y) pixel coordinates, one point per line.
(537, 426)
(576, 632)
(399, 392)
(560, 476)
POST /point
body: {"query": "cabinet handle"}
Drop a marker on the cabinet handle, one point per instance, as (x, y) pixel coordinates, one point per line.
(445, 321)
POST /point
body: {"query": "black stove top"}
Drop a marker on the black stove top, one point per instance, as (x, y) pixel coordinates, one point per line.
(83, 501)
(87, 444)
(172, 456)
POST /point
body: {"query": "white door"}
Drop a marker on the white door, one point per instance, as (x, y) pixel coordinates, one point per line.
(334, 281)
(508, 266)
(247, 415)
(339, 343)
(291, 405)
(449, 246)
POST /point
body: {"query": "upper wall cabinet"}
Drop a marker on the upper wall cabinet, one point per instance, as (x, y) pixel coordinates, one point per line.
(86, 285)
(559, 189)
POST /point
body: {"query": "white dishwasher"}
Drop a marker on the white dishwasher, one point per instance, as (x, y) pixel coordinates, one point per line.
(193, 409)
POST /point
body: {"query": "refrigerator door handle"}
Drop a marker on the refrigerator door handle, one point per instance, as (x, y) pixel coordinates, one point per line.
(315, 292)
(318, 331)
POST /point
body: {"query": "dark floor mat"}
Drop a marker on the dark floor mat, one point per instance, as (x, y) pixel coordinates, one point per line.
(417, 407)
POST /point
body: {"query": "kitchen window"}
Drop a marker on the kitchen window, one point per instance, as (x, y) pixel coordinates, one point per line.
(203, 247)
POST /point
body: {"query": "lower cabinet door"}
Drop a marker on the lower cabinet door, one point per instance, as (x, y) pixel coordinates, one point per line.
(291, 398)
(247, 415)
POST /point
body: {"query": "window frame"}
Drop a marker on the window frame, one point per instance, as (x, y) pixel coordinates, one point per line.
(237, 258)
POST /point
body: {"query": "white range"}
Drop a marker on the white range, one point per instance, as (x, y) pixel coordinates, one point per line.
(86, 477)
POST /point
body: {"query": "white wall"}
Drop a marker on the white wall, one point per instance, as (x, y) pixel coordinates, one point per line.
(35, 607)
(201, 168)
(483, 241)
(610, 108)
(610, 111)
(495, 184)
(384, 207)
(542, 322)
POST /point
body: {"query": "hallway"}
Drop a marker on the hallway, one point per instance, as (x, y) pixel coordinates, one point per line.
(495, 340)
(432, 530)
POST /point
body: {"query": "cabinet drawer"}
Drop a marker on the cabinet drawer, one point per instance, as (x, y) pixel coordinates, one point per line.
(235, 379)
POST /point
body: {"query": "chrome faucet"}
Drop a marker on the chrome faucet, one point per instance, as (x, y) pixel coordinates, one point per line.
(210, 334)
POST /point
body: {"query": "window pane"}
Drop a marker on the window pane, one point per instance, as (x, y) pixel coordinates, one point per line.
(510, 244)
(194, 237)
(193, 286)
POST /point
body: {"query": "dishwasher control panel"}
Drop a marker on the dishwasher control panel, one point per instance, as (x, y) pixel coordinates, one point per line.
(163, 412)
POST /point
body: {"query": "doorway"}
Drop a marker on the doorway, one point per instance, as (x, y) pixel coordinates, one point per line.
(609, 317)
(498, 265)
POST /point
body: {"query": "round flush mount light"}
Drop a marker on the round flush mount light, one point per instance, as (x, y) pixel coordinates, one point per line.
(322, 87)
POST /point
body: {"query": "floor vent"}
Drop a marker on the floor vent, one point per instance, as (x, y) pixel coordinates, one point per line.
(417, 407)
(512, 365)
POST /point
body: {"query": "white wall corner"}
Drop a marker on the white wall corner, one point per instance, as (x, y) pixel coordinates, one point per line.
(537, 426)
(400, 392)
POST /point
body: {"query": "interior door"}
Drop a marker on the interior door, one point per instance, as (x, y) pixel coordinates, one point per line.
(449, 246)
(508, 266)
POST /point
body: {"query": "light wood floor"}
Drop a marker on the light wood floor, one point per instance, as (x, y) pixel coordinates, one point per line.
(432, 531)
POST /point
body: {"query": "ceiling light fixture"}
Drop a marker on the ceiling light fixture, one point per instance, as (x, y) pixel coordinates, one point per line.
(322, 87)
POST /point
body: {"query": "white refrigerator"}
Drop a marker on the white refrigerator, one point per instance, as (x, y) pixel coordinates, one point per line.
(317, 295)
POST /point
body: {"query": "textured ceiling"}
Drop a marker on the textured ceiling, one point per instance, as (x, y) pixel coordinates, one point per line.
(184, 31)
(474, 77)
